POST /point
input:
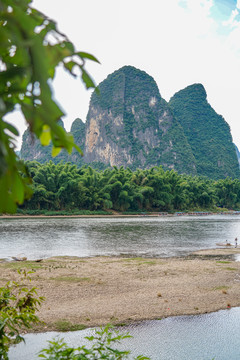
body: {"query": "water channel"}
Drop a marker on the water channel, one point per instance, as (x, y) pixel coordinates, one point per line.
(202, 337)
(140, 236)
(199, 337)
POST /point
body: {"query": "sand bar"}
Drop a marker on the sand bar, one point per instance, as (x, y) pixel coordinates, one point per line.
(100, 290)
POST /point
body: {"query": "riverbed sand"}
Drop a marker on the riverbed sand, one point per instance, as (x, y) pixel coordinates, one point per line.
(100, 290)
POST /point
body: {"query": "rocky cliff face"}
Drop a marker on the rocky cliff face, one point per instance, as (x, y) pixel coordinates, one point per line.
(238, 154)
(33, 150)
(78, 131)
(207, 133)
(130, 124)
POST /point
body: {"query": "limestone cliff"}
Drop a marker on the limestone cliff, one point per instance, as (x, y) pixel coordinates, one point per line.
(129, 124)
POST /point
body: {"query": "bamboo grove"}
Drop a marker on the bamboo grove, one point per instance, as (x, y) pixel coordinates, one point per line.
(66, 187)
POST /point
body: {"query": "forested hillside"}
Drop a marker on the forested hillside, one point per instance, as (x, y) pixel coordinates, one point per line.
(68, 187)
(207, 133)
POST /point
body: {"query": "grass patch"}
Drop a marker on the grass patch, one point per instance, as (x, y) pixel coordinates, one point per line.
(231, 268)
(71, 279)
(223, 287)
(150, 262)
(223, 262)
(140, 261)
(65, 325)
(134, 259)
(21, 265)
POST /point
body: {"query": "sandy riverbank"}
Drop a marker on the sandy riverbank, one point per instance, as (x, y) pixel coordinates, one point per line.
(101, 290)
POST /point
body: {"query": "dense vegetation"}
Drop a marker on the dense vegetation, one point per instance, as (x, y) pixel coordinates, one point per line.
(207, 133)
(65, 187)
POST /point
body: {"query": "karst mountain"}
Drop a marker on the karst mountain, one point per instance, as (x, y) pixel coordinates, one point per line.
(129, 124)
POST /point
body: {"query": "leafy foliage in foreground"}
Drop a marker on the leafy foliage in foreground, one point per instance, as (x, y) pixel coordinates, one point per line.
(31, 48)
(18, 306)
(65, 187)
(104, 347)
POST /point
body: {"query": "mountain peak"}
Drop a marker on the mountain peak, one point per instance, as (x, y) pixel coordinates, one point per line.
(195, 92)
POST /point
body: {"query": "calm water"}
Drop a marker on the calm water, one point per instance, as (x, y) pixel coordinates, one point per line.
(201, 337)
(148, 236)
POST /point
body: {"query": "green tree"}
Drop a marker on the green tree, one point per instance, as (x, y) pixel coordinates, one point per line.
(28, 60)
(228, 193)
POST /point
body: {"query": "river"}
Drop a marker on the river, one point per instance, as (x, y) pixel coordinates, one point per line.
(198, 337)
(139, 236)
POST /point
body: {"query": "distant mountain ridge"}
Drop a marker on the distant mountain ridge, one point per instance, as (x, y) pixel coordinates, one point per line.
(129, 124)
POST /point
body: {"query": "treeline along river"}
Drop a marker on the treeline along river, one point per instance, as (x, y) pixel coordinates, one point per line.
(66, 187)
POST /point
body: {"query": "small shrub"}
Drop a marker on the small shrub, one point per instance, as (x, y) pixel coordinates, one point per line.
(103, 347)
(18, 305)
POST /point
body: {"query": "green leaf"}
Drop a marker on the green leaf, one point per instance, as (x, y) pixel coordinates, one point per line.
(78, 148)
(56, 151)
(45, 137)
(7, 202)
(18, 189)
(69, 66)
(11, 128)
(87, 79)
(85, 55)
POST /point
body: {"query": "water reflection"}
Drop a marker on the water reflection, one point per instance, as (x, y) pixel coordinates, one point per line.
(163, 236)
(201, 337)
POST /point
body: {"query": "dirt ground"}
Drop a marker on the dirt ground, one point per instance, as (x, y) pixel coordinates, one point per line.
(117, 290)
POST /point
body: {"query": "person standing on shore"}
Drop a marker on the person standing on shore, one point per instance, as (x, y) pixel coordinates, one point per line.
(236, 240)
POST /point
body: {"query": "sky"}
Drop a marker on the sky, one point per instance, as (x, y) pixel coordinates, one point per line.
(177, 42)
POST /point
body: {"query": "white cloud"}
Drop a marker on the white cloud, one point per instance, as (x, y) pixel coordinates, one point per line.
(232, 20)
